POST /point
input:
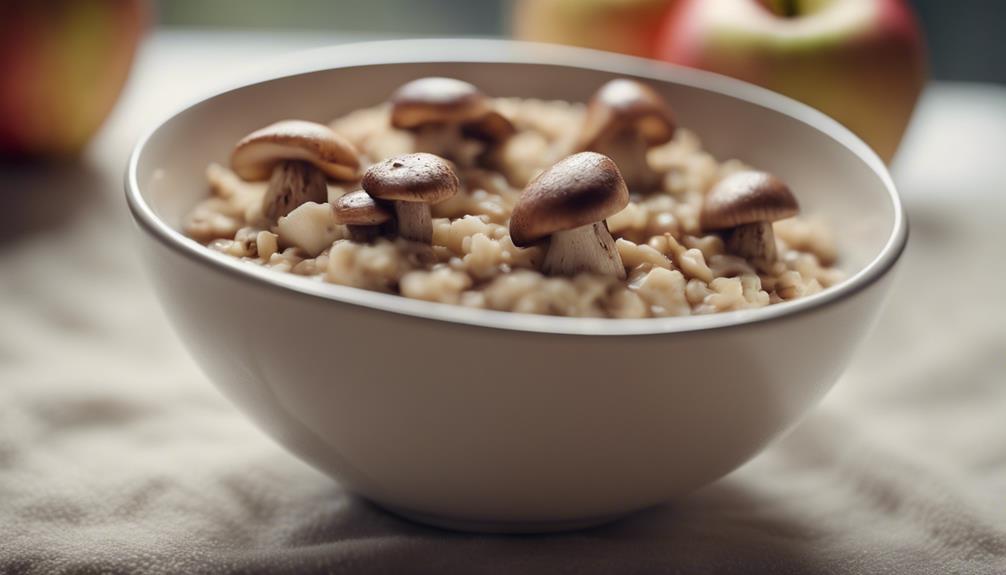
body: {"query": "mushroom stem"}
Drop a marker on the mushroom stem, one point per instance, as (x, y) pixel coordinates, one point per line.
(363, 234)
(754, 241)
(414, 221)
(292, 184)
(588, 248)
(629, 151)
(449, 142)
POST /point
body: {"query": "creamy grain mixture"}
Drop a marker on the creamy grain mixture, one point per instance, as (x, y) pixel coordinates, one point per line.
(673, 268)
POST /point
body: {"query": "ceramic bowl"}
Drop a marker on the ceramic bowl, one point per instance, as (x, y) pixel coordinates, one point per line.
(494, 421)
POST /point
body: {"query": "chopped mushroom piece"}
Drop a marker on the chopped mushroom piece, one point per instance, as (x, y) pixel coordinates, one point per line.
(624, 120)
(297, 158)
(450, 118)
(745, 204)
(567, 204)
(310, 227)
(361, 215)
(412, 182)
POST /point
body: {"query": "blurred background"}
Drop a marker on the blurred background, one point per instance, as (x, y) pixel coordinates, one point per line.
(965, 36)
(868, 78)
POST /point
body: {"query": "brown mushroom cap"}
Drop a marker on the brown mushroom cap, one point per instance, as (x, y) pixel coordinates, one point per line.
(623, 105)
(359, 209)
(255, 156)
(436, 100)
(745, 198)
(411, 178)
(491, 127)
(582, 189)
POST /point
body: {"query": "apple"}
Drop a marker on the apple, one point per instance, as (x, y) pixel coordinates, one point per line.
(860, 61)
(62, 65)
(628, 26)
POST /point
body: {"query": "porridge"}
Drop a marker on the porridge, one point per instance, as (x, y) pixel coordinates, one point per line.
(444, 194)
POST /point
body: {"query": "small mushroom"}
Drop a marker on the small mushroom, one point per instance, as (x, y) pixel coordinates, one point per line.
(624, 120)
(567, 204)
(745, 204)
(450, 118)
(361, 215)
(297, 158)
(412, 182)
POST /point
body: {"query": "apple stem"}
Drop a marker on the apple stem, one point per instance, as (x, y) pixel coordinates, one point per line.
(784, 8)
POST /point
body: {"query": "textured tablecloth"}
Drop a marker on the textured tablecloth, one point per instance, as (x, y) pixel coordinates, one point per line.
(117, 455)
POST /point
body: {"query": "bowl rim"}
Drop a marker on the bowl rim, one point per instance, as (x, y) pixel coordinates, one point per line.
(465, 51)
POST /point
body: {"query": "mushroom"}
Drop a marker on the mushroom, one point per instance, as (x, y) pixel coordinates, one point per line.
(412, 182)
(450, 118)
(624, 120)
(361, 215)
(570, 202)
(746, 203)
(297, 158)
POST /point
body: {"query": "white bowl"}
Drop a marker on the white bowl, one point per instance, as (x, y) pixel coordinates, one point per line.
(495, 421)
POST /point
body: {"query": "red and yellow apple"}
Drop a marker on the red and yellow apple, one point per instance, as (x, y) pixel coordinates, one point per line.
(628, 26)
(860, 61)
(63, 64)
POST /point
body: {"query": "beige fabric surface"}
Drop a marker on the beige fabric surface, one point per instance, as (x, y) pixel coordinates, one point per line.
(118, 456)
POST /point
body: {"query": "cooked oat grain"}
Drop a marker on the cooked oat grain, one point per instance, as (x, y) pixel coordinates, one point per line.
(672, 267)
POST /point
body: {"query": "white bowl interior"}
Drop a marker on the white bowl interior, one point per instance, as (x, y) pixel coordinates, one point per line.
(830, 171)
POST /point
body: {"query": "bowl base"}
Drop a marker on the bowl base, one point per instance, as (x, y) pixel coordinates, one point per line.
(489, 526)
